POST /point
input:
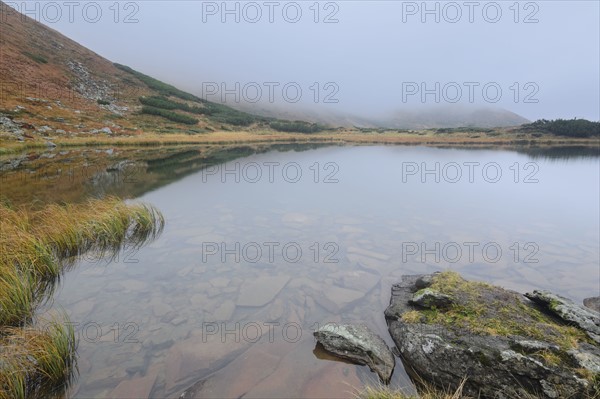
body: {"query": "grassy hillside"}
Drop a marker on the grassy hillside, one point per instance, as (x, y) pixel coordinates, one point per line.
(54, 87)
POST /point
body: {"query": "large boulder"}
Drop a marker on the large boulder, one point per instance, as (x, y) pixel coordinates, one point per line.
(503, 344)
(358, 344)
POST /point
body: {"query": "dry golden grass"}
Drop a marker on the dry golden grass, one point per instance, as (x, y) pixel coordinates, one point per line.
(36, 247)
(36, 359)
(348, 136)
(426, 391)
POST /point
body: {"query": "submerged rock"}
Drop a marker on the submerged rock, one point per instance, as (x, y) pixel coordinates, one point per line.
(136, 388)
(503, 344)
(261, 290)
(335, 299)
(358, 344)
(569, 311)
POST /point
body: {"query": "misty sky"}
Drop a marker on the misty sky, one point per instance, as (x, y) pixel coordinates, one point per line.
(377, 57)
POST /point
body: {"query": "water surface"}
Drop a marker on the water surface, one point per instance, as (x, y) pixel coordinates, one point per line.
(261, 250)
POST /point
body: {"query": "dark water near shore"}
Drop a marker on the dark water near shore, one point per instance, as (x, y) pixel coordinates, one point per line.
(259, 251)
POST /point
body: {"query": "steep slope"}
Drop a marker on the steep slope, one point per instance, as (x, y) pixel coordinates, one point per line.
(52, 86)
(49, 80)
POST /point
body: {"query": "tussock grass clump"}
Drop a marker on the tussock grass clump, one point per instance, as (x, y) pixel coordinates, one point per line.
(17, 298)
(35, 360)
(426, 391)
(36, 247)
(99, 225)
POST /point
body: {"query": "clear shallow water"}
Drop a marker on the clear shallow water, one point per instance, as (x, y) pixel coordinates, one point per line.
(245, 271)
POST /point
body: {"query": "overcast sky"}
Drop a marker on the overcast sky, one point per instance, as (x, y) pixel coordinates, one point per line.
(369, 56)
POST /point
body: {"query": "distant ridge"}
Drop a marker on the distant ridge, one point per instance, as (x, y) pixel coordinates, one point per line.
(426, 117)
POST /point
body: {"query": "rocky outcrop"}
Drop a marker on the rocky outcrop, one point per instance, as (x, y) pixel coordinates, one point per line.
(87, 86)
(9, 126)
(358, 344)
(586, 319)
(503, 344)
(99, 90)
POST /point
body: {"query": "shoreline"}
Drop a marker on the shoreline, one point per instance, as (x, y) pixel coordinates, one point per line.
(236, 138)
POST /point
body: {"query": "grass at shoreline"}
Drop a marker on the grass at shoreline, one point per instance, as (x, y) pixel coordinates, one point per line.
(35, 361)
(350, 137)
(426, 391)
(36, 247)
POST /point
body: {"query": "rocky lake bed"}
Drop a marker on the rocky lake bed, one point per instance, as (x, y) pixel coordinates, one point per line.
(197, 308)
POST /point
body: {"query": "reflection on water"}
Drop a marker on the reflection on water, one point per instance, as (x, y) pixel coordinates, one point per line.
(562, 153)
(225, 302)
(75, 174)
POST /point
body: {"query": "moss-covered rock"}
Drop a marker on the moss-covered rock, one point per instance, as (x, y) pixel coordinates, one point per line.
(504, 344)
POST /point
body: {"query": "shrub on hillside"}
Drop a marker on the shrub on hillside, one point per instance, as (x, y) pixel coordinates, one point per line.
(170, 115)
(580, 128)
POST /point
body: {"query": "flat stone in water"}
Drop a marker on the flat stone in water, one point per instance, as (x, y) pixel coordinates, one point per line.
(158, 342)
(368, 263)
(359, 280)
(197, 356)
(198, 300)
(289, 380)
(296, 218)
(185, 271)
(225, 311)
(368, 253)
(179, 320)
(260, 291)
(106, 377)
(276, 310)
(249, 369)
(220, 282)
(83, 308)
(160, 309)
(335, 299)
(335, 380)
